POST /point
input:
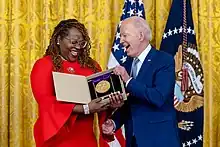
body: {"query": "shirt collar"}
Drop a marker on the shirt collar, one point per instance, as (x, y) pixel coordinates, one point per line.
(144, 53)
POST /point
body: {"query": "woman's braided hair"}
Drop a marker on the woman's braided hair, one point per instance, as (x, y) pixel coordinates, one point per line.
(53, 49)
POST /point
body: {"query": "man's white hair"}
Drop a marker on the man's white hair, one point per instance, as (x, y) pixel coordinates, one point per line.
(142, 25)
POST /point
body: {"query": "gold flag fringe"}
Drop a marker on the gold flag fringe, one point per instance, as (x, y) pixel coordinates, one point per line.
(195, 102)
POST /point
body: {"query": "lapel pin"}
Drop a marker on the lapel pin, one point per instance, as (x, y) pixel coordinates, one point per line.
(70, 69)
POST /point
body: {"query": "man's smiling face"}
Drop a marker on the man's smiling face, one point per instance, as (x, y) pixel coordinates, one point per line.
(129, 39)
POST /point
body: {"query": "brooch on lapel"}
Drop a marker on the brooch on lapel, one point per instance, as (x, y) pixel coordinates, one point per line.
(70, 70)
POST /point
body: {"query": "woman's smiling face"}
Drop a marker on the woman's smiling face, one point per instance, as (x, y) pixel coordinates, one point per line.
(72, 45)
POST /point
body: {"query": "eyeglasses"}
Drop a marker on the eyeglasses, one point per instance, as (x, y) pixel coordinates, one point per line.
(82, 44)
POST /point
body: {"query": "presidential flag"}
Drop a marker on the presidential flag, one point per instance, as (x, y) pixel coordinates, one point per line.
(180, 41)
(118, 55)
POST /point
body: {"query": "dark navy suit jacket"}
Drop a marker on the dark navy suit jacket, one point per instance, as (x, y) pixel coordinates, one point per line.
(149, 114)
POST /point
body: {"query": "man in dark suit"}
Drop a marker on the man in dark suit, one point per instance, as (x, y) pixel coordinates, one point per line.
(148, 115)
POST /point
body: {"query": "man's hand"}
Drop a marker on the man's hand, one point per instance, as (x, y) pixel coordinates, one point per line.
(120, 70)
(108, 127)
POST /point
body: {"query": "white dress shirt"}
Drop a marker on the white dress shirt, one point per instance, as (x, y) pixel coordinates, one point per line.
(141, 58)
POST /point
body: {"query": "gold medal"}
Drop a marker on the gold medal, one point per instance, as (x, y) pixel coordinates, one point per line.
(102, 87)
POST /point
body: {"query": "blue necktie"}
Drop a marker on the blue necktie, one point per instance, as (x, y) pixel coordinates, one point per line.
(134, 68)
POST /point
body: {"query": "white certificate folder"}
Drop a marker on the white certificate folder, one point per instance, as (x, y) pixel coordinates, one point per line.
(81, 89)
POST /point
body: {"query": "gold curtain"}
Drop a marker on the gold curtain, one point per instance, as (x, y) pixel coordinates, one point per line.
(25, 29)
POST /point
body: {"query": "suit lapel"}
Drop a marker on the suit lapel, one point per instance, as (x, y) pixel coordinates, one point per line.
(147, 62)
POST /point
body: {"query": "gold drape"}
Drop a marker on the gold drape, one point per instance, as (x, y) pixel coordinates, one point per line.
(25, 28)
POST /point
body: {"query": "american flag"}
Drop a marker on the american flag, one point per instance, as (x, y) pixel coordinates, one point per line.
(118, 55)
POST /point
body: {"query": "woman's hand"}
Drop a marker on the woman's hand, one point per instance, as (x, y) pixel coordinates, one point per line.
(97, 106)
(116, 100)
